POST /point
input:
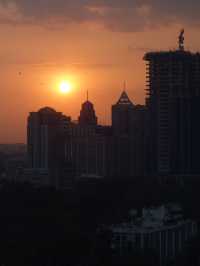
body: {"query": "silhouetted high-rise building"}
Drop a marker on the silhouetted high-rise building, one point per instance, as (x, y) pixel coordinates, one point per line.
(88, 144)
(89, 148)
(45, 144)
(128, 121)
(121, 115)
(173, 102)
(43, 128)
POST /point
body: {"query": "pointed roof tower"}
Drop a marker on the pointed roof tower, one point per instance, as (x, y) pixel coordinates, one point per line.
(122, 115)
(124, 99)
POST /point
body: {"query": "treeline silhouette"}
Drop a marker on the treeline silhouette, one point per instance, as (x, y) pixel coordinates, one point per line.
(42, 226)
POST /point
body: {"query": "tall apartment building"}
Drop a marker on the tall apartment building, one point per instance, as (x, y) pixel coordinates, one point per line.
(47, 162)
(173, 103)
(88, 144)
(128, 123)
(42, 137)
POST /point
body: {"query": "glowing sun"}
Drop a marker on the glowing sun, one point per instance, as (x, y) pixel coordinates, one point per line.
(65, 87)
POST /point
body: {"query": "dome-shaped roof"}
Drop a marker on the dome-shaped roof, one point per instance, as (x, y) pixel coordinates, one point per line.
(87, 114)
(47, 110)
(87, 105)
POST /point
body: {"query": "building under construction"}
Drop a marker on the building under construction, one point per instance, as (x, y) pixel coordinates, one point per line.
(173, 102)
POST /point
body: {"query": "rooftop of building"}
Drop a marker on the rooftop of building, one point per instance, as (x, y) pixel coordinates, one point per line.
(124, 100)
(152, 219)
(176, 54)
(46, 110)
(87, 104)
(179, 53)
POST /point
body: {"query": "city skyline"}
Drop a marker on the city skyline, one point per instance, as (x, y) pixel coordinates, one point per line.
(95, 47)
(100, 132)
(63, 98)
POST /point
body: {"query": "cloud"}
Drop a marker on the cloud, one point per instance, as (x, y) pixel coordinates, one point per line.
(10, 59)
(115, 15)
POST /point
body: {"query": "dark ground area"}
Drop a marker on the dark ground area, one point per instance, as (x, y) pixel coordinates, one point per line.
(48, 227)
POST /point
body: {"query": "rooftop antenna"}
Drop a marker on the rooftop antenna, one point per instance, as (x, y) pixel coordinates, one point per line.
(181, 40)
(124, 85)
(87, 96)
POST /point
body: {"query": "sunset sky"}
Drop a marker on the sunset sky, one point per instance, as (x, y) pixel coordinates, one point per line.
(93, 44)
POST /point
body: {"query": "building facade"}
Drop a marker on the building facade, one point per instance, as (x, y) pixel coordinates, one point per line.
(128, 125)
(88, 144)
(88, 147)
(162, 230)
(173, 103)
(47, 162)
(43, 138)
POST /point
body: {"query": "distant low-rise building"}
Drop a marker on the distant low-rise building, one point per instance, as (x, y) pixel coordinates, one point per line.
(162, 229)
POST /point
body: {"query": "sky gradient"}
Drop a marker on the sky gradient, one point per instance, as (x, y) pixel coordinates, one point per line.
(94, 44)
